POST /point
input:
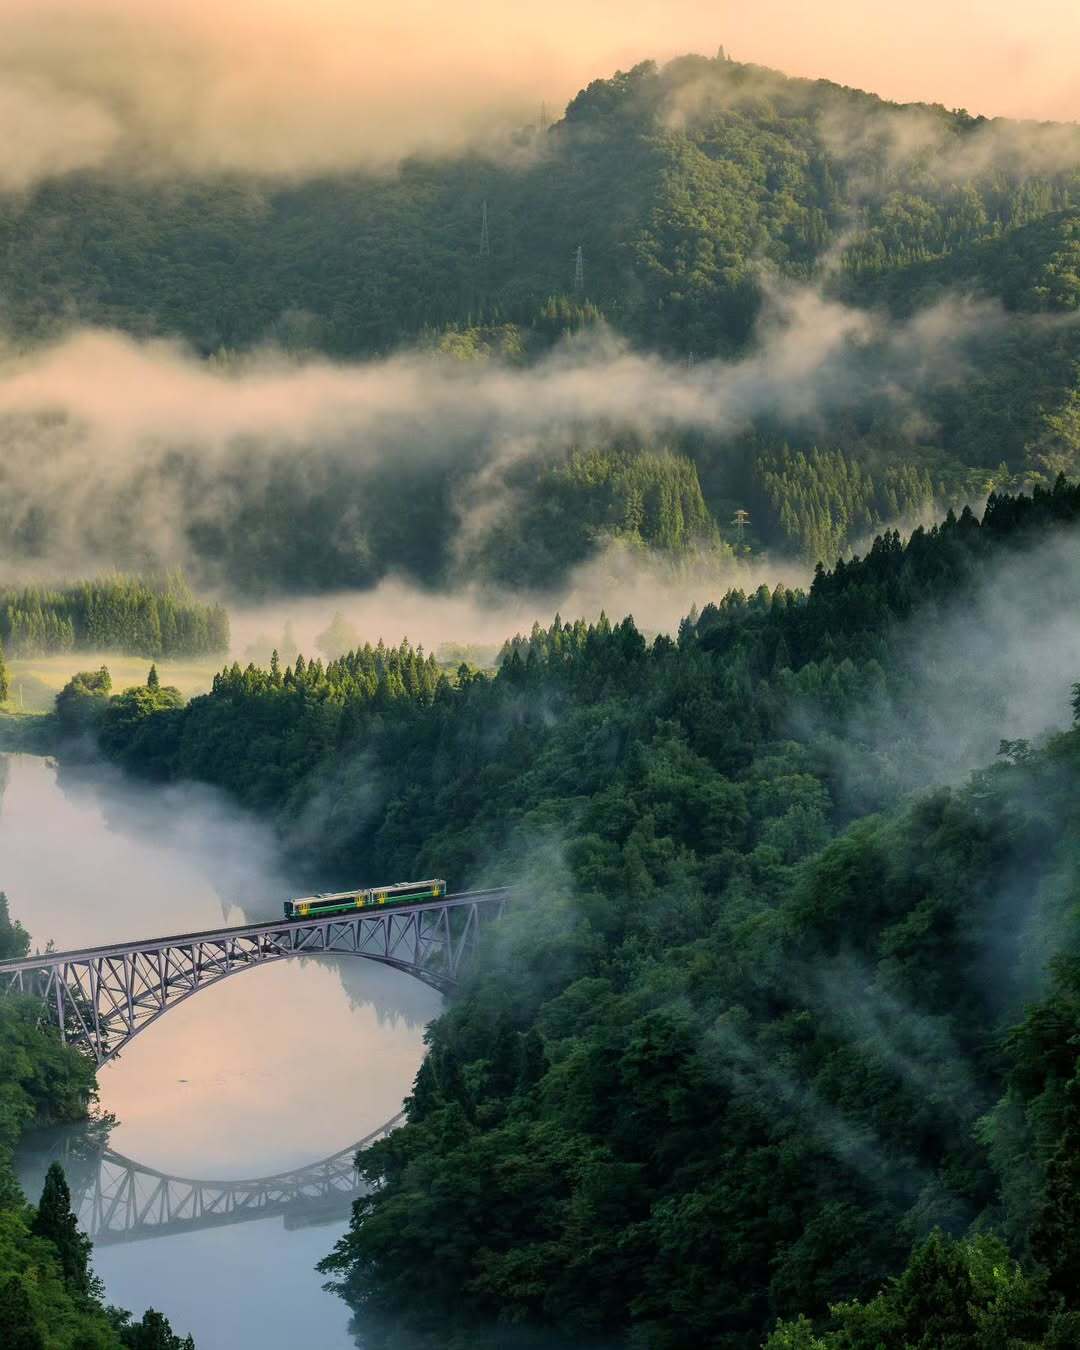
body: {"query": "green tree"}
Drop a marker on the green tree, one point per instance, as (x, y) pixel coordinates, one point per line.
(146, 617)
(48, 1296)
(1055, 1240)
(81, 703)
(125, 715)
(55, 1222)
(153, 1332)
(18, 1326)
(152, 681)
(14, 939)
(930, 1305)
(965, 1294)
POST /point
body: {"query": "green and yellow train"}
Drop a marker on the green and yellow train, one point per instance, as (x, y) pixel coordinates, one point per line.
(346, 902)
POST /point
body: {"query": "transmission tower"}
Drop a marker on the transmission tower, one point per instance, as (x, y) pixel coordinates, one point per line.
(579, 269)
(543, 117)
(485, 242)
(740, 520)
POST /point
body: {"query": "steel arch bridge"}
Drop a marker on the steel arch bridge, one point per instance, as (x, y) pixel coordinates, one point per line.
(118, 1200)
(99, 998)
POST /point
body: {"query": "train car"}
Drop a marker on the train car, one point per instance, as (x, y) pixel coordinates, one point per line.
(347, 902)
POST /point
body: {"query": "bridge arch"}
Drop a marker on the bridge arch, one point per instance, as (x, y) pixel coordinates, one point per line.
(100, 998)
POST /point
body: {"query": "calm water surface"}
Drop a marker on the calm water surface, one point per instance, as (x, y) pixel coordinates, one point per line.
(272, 1070)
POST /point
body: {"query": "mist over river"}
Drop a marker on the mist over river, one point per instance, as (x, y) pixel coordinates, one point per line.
(276, 1069)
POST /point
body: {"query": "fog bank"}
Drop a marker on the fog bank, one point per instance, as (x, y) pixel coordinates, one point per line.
(996, 664)
(658, 593)
(125, 453)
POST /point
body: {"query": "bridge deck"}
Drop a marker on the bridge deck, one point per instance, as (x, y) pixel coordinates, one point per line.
(44, 960)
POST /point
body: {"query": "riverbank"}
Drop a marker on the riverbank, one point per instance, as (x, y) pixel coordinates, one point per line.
(28, 733)
(48, 1294)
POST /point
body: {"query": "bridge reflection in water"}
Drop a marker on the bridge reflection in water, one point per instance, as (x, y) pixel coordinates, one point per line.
(119, 1200)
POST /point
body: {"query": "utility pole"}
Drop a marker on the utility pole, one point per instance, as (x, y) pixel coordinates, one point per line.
(485, 242)
(579, 269)
(740, 520)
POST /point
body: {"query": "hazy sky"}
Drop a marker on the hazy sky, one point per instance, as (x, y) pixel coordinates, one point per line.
(292, 84)
(995, 57)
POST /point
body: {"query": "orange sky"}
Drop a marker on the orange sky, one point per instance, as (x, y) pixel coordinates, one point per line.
(293, 84)
(996, 57)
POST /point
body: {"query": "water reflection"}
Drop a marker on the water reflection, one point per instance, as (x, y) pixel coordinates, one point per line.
(265, 1071)
(119, 1199)
(273, 1071)
(231, 1287)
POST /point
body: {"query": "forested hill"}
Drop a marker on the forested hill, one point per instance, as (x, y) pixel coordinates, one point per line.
(677, 183)
(743, 1045)
(716, 206)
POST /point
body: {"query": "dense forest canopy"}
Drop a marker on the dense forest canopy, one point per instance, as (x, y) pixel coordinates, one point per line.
(674, 181)
(135, 615)
(847, 309)
(756, 1030)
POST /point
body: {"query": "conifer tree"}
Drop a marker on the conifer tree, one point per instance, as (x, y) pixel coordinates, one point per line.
(425, 1094)
(932, 1298)
(152, 681)
(3, 677)
(533, 1060)
(56, 1222)
(14, 939)
(154, 1333)
(503, 1064)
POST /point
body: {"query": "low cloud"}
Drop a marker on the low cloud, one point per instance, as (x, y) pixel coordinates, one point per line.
(476, 620)
(996, 663)
(884, 142)
(296, 87)
(127, 453)
(67, 130)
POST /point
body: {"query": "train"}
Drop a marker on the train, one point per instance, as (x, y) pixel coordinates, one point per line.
(347, 902)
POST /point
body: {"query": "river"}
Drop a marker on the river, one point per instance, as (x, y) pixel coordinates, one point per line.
(265, 1073)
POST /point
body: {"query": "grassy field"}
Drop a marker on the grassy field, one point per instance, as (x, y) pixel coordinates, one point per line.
(35, 681)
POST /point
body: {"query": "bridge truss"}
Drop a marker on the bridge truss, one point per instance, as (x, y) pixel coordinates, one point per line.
(100, 997)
